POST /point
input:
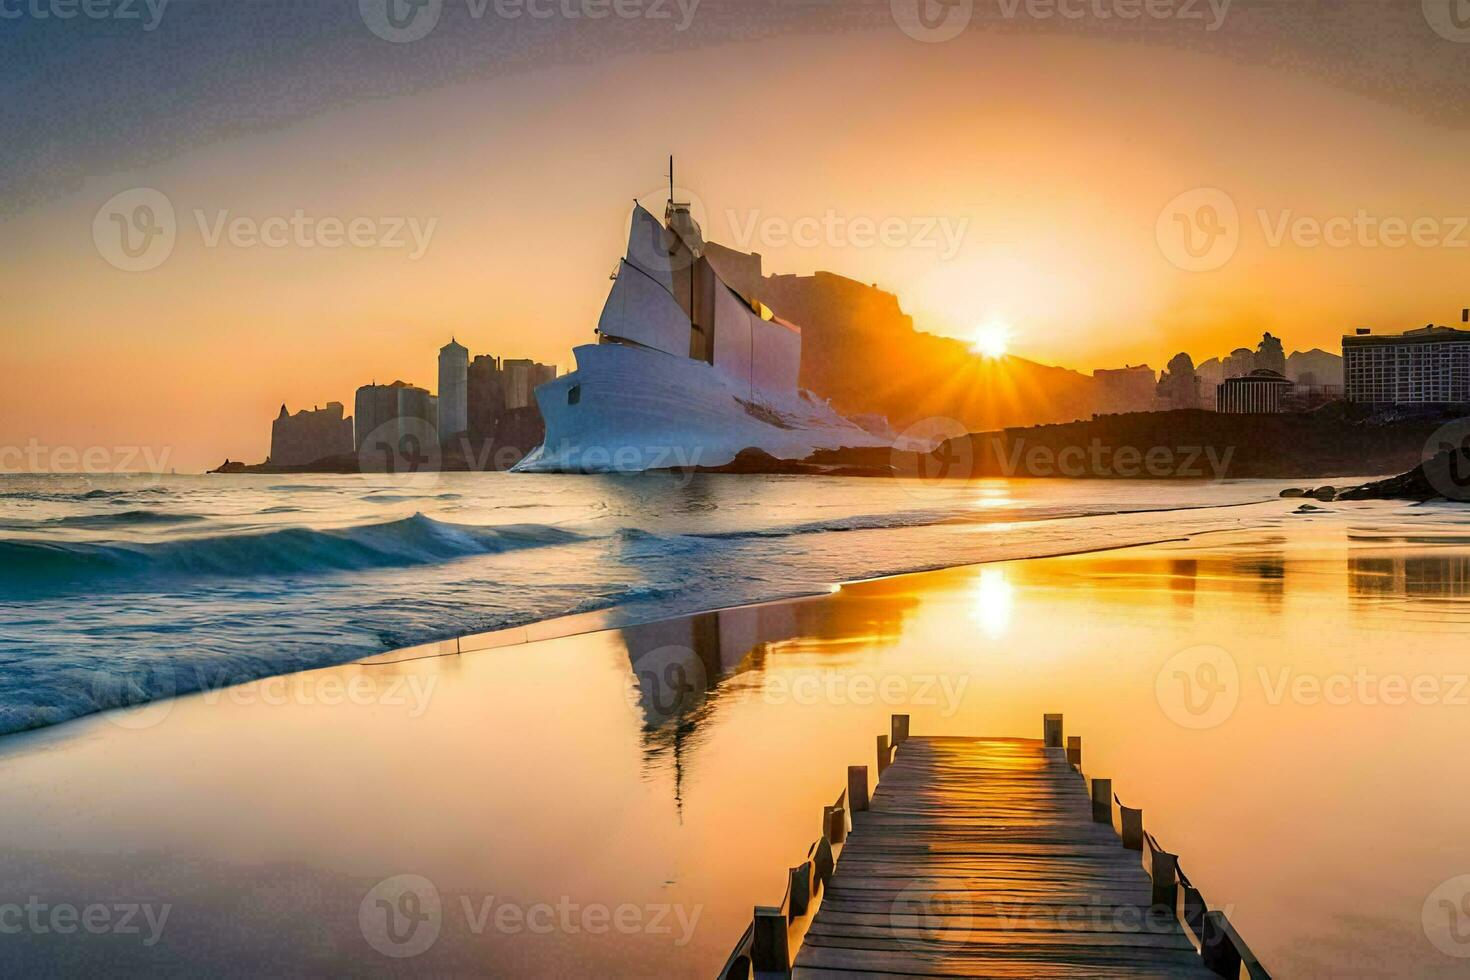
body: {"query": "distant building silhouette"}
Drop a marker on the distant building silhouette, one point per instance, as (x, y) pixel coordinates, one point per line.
(453, 390)
(1430, 365)
(386, 414)
(1270, 356)
(1260, 392)
(521, 378)
(307, 436)
(1242, 361)
(1125, 389)
(486, 395)
(1315, 368)
(1180, 386)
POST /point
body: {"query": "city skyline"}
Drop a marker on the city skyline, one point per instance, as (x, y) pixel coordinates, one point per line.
(1029, 207)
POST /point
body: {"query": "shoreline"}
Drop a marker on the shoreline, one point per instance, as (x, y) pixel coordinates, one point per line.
(609, 617)
(606, 619)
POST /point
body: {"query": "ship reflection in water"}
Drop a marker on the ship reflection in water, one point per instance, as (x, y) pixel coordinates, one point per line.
(682, 670)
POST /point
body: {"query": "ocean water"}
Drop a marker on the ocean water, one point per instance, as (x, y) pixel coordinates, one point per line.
(119, 590)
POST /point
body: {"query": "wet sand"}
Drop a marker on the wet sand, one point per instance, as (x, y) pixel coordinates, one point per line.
(1287, 705)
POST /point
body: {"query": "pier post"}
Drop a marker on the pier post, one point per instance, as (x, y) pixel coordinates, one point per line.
(1193, 909)
(834, 823)
(882, 754)
(1216, 947)
(1132, 832)
(1164, 869)
(768, 948)
(1051, 727)
(1074, 750)
(857, 788)
(801, 890)
(900, 729)
(822, 862)
(1102, 801)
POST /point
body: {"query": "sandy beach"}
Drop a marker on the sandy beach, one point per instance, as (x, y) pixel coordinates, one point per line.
(1283, 702)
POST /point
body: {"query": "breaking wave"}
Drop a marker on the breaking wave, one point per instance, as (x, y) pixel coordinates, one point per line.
(48, 567)
(62, 497)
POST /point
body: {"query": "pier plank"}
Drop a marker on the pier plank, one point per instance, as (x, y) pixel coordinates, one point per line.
(980, 857)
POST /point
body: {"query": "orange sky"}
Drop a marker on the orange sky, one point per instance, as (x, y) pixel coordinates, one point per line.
(1054, 155)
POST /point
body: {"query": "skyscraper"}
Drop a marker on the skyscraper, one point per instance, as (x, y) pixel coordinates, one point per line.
(454, 364)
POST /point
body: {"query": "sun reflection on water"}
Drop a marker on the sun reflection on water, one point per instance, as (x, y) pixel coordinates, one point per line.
(993, 597)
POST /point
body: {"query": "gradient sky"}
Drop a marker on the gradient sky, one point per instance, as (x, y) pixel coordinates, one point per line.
(1053, 145)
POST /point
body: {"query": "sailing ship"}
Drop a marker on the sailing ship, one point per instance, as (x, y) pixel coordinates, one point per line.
(686, 372)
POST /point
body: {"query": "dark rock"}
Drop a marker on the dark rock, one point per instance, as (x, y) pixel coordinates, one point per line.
(1294, 492)
(826, 462)
(1442, 477)
(1324, 493)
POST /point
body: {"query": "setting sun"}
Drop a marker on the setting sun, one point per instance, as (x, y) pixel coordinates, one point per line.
(991, 339)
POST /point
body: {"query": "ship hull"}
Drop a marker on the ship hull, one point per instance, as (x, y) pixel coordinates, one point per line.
(627, 409)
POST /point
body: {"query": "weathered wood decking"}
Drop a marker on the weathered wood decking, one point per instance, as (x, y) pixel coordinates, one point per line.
(987, 857)
(980, 857)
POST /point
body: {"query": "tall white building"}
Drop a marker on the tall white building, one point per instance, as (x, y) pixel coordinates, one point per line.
(1430, 365)
(454, 371)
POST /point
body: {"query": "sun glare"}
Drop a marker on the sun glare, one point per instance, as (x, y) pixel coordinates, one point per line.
(991, 339)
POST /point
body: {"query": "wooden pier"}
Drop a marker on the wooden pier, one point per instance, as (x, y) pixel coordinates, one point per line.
(987, 857)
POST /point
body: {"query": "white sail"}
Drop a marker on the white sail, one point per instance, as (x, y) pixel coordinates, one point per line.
(641, 310)
(764, 356)
(648, 248)
(776, 365)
